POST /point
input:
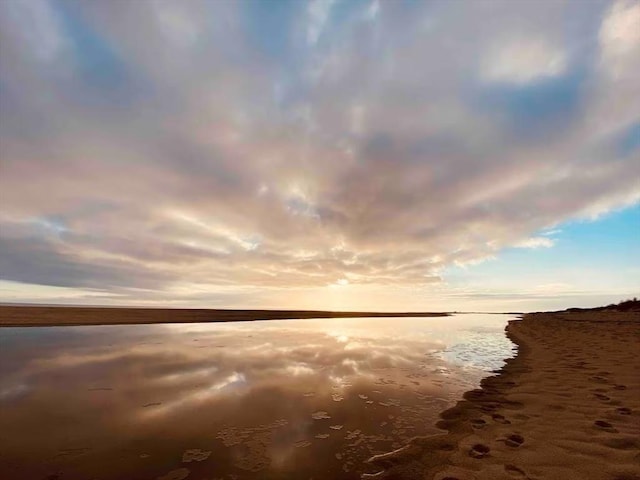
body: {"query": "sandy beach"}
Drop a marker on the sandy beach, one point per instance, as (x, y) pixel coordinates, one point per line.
(566, 407)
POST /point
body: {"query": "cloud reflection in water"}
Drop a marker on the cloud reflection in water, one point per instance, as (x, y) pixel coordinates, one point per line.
(245, 391)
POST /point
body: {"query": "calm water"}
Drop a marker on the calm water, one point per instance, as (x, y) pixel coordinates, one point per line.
(292, 399)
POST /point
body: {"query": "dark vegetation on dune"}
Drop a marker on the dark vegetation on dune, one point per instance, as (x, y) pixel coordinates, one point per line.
(632, 305)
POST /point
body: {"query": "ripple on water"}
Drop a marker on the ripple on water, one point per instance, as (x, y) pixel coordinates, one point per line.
(195, 455)
(254, 456)
(320, 415)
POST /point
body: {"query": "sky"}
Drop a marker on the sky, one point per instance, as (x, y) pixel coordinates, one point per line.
(332, 154)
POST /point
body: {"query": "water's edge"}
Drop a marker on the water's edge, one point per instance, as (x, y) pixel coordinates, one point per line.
(408, 462)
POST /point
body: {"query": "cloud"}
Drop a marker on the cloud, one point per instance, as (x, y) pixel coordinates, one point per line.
(41, 28)
(619, 36)
(203, 146)
(319, 11)
(536, 242)
(373, 10)
(522, 61)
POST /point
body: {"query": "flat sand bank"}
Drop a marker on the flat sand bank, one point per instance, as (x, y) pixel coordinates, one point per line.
(566, 407)
(41, 316)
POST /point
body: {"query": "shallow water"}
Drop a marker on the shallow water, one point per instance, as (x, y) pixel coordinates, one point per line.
(291, 399)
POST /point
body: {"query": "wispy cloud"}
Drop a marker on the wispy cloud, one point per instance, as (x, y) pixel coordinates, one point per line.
(536, 242)
(319, 11)
(523, 61)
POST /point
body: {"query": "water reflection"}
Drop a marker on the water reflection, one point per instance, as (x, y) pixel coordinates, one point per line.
(273, 399)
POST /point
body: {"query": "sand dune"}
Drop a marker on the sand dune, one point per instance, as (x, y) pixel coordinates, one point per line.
(567, 407)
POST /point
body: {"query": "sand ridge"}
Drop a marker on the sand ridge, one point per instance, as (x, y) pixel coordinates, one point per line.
(566, 407)
(43, 316)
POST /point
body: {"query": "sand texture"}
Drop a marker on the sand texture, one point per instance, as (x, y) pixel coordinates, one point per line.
(42, 316)
(566, 407)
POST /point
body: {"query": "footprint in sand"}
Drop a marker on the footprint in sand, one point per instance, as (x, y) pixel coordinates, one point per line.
(478, 423)
(521, 416)
(602, 425)
(514, 471)
(624, 443)
(602, 397)
(488, 408)
(623, 411)
(620, 387)
(479, 451)
(511, 405)
(514, 440)
(598, 379)
(500, 419)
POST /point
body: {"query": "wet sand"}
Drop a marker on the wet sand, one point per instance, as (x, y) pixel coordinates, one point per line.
(566, 407)
(42, 316)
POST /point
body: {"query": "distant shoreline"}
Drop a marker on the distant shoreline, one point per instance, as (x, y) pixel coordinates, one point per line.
(49, 316)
